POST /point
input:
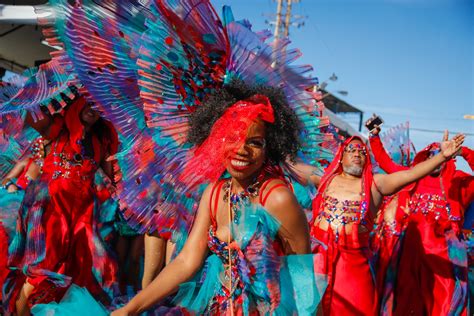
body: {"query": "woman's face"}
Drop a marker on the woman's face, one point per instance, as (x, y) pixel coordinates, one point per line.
(89, 116)
(247, 160)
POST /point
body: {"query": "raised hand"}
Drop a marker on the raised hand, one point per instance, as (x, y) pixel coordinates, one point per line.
(375, 129)
(449, 148)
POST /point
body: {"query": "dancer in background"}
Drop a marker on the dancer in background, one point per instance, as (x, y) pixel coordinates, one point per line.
(344, 210)
(15, 182)
(432, 270)
(57, 242)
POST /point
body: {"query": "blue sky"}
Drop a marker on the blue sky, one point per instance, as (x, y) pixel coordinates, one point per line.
(403, 59)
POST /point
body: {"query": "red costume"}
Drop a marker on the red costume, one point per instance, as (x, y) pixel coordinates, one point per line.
(432, 269)
(351, 287)
(3, 256)
(57, 242)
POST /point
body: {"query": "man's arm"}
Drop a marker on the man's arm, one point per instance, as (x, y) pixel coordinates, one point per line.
(391, 183)
(383, 159)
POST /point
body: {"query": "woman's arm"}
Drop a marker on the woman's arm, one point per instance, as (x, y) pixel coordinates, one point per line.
(306, 172)
(16, 171)
(391, 183)
(294, 229)
(181, 269)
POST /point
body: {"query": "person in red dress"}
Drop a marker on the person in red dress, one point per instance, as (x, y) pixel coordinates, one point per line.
(432, 261)
(57, 242)
(343, 216)
(15, 181)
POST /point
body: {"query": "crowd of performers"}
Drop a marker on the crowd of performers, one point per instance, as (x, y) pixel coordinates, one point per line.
(166, 164)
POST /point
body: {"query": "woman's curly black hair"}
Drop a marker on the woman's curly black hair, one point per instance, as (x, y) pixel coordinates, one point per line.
(282, 137)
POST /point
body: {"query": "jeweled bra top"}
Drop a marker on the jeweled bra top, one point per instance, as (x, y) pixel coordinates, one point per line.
(339, 213)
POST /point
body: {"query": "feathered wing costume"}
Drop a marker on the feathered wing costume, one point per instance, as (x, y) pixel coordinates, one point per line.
(151, 64)
(147, 66)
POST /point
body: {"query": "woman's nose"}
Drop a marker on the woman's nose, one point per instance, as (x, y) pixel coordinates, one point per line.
(242, 150)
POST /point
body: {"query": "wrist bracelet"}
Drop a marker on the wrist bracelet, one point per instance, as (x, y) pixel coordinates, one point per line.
(6, 185)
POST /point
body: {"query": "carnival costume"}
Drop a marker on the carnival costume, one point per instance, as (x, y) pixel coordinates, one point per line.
(347, 258)
(386, 240)
(147, 67)
(432, 269)
(57, 240)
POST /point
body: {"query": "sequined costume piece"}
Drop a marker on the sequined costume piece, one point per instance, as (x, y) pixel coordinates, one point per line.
(347, 256)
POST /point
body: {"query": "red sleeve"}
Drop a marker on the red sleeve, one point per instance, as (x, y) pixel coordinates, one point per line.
(383, 159)
(462, 189)
(468, 155)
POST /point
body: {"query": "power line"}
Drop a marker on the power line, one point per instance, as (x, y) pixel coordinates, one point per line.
(437, 131)
(434, 131)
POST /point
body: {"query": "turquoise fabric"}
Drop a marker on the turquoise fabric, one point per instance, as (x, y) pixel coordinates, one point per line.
(76, 301)
(10, 205)
(281, 285)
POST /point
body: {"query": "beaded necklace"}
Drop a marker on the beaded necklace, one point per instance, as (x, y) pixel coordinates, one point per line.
(240, 199)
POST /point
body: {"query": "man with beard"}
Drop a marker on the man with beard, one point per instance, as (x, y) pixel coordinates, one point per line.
(343, 217)
(431, 277)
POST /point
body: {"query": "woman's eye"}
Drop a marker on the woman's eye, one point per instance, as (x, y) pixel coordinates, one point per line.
(256, 143)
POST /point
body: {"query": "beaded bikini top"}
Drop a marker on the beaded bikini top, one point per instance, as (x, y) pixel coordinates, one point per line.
(339, 213)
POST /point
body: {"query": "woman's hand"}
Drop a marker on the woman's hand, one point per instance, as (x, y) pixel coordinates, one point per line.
(120, 312)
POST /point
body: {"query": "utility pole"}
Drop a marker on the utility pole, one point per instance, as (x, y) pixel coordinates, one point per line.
(288, 18)
(284, 19)
(276, 33)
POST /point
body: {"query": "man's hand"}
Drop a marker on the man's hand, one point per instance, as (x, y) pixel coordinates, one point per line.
(376, 129)
(449, 148)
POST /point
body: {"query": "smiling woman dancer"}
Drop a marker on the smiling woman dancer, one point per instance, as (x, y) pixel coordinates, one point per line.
(246, 221)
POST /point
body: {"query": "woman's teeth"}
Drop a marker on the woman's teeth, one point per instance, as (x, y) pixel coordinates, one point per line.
(239, 163)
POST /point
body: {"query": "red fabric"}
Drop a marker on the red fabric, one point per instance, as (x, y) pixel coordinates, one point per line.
(468, 155)
(351, 287)
(3, 256)
(386, 240)
(72, 246)
(23, 180)
(228, 134)
(74, 125)
(68, 226)
(425, 281)
(425, 274)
